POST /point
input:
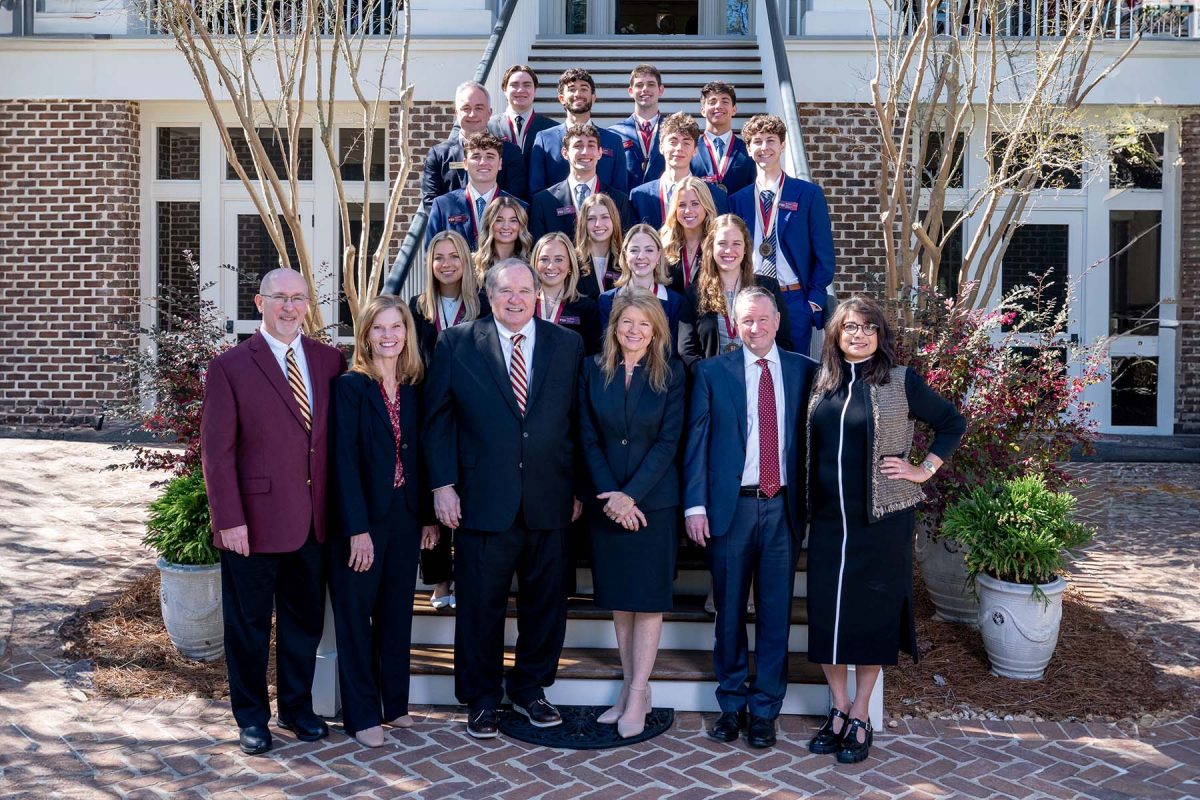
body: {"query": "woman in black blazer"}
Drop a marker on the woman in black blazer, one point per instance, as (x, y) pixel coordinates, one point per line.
(559, 300)
(631, 421)
(377, 478)
(706, 324)
(598, 244)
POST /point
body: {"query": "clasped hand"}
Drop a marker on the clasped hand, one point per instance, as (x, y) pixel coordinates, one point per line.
(621, 509)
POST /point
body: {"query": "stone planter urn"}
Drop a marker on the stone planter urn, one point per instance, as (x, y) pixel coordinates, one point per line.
(1020, 631)
(191, 608)
(945, 575)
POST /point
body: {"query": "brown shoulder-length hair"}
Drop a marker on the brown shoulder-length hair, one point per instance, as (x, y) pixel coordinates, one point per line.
(672, 228)
(571, 287)
(657, 360)
(485, 253)
(468, 286)
(583, 251)
(710, 297)
(833, 361)
(660, 272)
(409, 367)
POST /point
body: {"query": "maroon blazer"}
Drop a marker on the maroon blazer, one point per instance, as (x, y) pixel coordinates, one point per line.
(261, 468)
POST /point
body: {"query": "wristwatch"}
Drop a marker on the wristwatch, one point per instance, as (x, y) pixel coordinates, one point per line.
(929, 466)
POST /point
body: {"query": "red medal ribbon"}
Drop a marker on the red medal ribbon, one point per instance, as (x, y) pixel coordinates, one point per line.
(719, 169)
(519, 138)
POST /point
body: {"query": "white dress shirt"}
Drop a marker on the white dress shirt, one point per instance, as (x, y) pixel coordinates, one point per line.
(279, 350)
(726, 137)
(783, 269)
(572, 184)
(506, 346)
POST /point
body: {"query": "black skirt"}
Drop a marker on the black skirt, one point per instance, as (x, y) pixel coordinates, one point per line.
(634, 570)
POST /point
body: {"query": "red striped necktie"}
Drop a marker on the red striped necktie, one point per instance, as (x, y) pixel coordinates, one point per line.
(517, 373)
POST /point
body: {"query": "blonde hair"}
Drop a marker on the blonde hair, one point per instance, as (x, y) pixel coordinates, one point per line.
(485, 254)
(571, 288)
(672, 229)
(583, 250)
(657, 360)
(409, 367)
(660, 271)
(709, 294)
(468, 287)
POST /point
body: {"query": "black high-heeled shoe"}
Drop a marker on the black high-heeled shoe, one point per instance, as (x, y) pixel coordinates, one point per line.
(827, 739)
(852, 750)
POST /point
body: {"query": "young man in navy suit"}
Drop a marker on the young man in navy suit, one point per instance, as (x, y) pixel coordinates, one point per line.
(556, 208)
(519, 124)
(445, 170)
(639, 132)
(678, 134)
(789, 222)
(721, 157)
(745, 473)
(547, 166)
(462, 209)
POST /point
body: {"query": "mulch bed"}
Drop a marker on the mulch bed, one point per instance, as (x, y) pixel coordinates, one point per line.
(1095, 671)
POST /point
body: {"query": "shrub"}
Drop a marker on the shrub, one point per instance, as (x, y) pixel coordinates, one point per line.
(178, 527)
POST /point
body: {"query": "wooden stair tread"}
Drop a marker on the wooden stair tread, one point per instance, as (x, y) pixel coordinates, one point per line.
(596, 664)
(688, 608)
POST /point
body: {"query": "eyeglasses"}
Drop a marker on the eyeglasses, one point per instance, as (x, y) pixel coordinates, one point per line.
(284, 299)
(870, 329)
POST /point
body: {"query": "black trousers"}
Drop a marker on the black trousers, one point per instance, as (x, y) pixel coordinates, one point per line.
(293, 585)
(485, 564)
(372, 614)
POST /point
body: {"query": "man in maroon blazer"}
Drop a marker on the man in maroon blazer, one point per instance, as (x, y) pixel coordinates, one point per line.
(264, 438)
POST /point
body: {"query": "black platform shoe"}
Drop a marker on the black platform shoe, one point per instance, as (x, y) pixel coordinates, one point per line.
(852, 750)
(827, 740)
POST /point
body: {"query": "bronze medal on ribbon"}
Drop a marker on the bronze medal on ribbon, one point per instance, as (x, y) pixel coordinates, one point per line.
(765, 249)
(729, 348)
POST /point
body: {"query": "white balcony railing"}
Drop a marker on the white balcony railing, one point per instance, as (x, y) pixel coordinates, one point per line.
(1121, 19)
(370, 17)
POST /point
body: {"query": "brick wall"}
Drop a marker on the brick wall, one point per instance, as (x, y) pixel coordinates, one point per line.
(1187, 376)
(431, 123)
(69, 256)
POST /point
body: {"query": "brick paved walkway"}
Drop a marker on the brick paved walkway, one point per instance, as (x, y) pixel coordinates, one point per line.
(59, 547)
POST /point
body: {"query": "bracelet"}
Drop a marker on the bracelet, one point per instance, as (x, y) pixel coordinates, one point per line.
(928, 466)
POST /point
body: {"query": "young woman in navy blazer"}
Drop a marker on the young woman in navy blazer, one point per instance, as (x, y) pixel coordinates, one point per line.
(690, 216)
(598, 241)
(559, 300)
(642, 266)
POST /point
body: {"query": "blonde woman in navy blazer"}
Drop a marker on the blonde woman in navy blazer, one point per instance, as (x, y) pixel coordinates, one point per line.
(631, 399)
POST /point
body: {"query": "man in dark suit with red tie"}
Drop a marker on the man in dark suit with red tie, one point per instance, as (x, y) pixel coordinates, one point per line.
(501, 410)
(263, 435)
(744, 476)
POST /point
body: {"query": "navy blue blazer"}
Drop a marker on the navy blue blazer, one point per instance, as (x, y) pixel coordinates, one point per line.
(741, 172)
(715, 453)
(498, 125)
(672, 305)
(647, 206)
(547, 165)
(364, 454)
(501, 462)
(554, 209)
(437, 178)
(700, 336)
(453, 212)
(631, 152)
(583, 317)
(630, 437)
(805, 235)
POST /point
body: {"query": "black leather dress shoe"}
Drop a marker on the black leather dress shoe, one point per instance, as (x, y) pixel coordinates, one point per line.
(726, 728)
(483, 724)
(827, 740)
(761, 733)
(308, 728)
(540, 713)
(852, 750)
(254, 740)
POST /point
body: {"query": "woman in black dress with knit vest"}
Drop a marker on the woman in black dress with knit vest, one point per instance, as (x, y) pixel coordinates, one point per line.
(863, 492)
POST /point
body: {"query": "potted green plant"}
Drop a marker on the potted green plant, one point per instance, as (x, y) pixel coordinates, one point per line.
(178, 529)
(1016, 535)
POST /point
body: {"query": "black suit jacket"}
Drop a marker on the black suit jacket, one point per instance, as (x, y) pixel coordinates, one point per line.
(553, 209)
(500, 462)
(498, 125)
(699, 336)
(590, 284)
(437, 178)
(583, 317)
(631, 438)
(364, 454)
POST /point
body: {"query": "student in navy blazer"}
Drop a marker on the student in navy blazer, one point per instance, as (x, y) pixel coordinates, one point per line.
(690, 217)
(559, 300)
(802, 257)
(382, 499)
(453, 212)
(746, 507)
(639, 131)
(556, 208)
(547, 162)
(652, 201)
(462, 210)
(520, 85)
(643, 266)
(727, 164)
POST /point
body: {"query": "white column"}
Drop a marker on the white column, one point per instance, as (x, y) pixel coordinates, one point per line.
(553, 16)
(601, 17)
(712, 18)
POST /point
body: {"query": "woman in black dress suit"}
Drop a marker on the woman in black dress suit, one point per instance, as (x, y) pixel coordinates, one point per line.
(598, 245)
(686, 225)
(378, 488)
(863, 491)
(631, 420)
(451, 297)
(706, 324)
(559, 300)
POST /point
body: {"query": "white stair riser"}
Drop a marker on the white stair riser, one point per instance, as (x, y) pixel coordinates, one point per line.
(687, 582)
(556, 65)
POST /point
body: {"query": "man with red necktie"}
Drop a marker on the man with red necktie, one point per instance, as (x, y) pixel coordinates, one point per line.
(639, 131)
(744, 477)
(519, 123)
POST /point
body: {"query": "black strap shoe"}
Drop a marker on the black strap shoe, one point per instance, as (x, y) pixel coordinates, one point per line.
(540, 713)
(483, 724)
(254, 740)
(827, 739)
(726, 728)
(852, 750)
(761, 733)
(307, 727)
